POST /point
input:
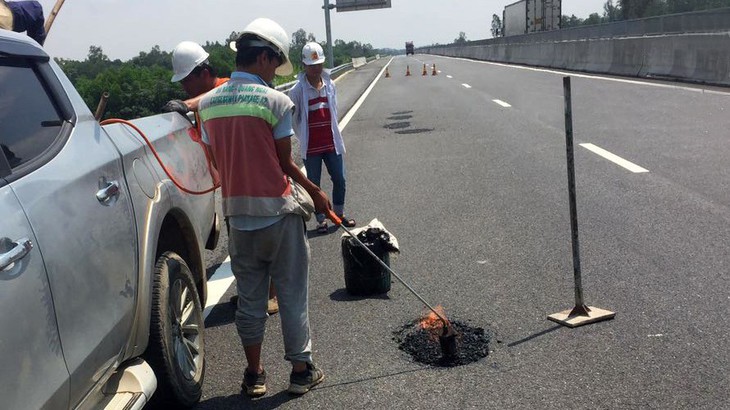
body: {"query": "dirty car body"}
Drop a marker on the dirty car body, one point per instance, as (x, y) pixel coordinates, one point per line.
(102, 276)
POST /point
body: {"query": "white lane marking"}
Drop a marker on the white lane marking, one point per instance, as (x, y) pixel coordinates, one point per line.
(595, 77)
(448, 76)
(346, 119)
(502, 103)
(614, 158)
(218, 284)
(466, 85)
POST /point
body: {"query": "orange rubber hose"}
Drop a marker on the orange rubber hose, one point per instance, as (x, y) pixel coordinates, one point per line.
(159, 160)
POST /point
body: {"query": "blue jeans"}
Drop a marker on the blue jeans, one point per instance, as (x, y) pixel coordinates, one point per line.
(336, 167)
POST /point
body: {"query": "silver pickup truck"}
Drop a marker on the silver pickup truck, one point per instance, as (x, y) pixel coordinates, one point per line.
(102, 273)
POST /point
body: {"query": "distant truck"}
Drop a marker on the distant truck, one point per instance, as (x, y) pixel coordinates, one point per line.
(409, 47)
(529, 16)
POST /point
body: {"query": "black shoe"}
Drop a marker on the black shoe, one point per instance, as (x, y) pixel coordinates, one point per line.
(302, 382)
(254, 385)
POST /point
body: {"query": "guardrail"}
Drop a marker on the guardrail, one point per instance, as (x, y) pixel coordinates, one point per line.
(706, 21)
(334, 73)
(693, 47)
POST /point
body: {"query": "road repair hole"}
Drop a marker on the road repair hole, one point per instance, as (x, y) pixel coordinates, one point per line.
(472, 344)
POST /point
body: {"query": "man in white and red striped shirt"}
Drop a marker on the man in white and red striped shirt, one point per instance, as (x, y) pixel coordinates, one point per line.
(316, 127)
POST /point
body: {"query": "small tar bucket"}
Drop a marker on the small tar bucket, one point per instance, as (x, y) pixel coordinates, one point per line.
(364, 275)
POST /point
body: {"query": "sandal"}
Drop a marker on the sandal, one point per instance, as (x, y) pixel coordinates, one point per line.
(347, 222)
(322, 227)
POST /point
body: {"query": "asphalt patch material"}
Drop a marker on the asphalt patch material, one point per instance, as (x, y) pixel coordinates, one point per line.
(472, 344)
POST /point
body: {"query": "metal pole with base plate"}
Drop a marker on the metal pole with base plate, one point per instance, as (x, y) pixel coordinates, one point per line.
(580, 314)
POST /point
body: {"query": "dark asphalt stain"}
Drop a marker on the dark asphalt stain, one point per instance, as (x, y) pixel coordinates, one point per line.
(424, 347)
(415, 131)
(400, 117)
(402, 112)
(397, 125)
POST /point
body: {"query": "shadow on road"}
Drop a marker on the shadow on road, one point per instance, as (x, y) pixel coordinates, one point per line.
(533, 336)
(241, 401)
(341, 295)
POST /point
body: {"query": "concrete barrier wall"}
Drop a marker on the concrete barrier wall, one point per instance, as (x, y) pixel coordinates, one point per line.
(703, 58)
(359, 62)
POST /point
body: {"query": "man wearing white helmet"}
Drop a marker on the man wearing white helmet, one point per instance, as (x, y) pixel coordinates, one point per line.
(316, 127)
(192, 70)
(248, 127)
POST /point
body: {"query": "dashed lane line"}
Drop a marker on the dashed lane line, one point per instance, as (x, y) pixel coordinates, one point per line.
(448, 76)
(466, 85)
(614, 158)
(502, 103)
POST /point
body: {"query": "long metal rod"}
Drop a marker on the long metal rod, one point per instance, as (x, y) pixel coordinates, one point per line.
(52, 16)
(579, 305)
(443, 319)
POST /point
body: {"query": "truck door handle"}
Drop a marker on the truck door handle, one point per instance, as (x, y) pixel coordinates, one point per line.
(21, 248)
(108, 191)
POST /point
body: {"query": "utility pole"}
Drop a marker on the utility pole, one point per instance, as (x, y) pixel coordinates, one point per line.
(330, 53)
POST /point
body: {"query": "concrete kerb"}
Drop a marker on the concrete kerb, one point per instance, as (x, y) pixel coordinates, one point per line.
(701, 57)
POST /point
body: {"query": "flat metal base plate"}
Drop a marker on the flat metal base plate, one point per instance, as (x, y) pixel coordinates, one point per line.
(594, 315)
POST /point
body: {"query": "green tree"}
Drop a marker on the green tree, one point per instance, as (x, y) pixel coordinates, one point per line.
(593, 18)
(154, 57)
(496, 26)
(611, 12)
(461, 39)
(572, 21)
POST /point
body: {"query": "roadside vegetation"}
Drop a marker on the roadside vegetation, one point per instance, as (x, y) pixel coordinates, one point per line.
(141, 86)
(633, 9)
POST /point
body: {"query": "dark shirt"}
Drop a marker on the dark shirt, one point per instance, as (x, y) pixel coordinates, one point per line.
(28, 16)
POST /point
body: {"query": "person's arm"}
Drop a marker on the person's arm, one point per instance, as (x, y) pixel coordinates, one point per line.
(194, 103)
(283, 151)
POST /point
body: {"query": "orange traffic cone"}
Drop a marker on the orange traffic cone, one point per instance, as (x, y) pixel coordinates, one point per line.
(424, 69)
(434, 70)
(387, 74)
(408, 70)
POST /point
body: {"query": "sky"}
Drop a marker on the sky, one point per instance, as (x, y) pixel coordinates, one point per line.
(124, 28)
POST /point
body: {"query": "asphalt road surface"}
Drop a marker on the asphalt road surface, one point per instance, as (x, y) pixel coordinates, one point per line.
(468, 170)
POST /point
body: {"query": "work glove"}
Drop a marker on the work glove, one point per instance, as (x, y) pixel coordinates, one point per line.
(176, 106)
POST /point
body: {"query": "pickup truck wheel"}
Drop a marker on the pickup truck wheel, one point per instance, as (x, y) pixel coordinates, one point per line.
(176, 350)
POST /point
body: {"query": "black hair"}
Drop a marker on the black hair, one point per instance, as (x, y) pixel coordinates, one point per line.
(246, 55)
(203, 66)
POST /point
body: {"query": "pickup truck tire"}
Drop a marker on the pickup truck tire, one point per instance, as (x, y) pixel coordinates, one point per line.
(176, 350)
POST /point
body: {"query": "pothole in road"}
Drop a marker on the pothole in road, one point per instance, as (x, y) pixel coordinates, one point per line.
(424, 347)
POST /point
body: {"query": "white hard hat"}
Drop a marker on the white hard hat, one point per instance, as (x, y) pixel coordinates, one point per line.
(274, 37)
(312, 54)
(185, 57)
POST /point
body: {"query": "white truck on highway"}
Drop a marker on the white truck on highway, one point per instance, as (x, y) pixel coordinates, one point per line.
(529, 16)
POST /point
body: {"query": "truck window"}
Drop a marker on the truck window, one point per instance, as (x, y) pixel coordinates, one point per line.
(29, 121)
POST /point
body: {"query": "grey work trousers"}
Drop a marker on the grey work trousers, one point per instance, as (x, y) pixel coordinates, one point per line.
(279, 252)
